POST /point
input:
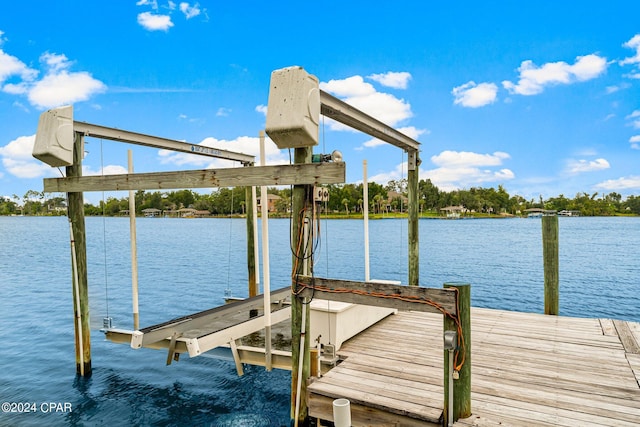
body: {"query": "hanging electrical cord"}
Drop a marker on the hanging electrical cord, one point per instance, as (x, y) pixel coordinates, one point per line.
(402, 188)
(107, 321)
(326, 237)
(227, 292)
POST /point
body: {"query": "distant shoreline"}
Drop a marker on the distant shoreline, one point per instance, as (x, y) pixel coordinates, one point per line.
(340, 216)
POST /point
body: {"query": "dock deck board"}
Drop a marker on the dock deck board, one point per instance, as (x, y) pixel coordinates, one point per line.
(527, 369)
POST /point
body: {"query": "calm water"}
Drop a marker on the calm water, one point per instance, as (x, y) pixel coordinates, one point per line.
(188, 265)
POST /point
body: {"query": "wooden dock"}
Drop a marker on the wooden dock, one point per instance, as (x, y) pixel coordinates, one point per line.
(527, 369)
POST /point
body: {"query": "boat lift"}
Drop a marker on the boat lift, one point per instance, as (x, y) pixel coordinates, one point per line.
(60, 142)
(295, 103)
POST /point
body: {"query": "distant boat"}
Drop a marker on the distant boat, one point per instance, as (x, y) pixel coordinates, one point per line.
(568, 213)
(453, 212)
(539, 213)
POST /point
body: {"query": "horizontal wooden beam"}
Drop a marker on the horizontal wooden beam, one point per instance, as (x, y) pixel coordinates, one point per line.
(298, 174)
(415, 298)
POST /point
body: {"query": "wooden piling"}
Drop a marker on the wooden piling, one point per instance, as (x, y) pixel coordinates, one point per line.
(550, 252)
(251, 243)
(462, 385)
(302, 198)
(412, 195)
(80, 286)
(134, 248)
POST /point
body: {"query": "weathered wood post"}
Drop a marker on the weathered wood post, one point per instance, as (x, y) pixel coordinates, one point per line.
(251, 246)
(551, 264)
(79, 264)
(302, 197)
(462, 385)
(412, 195)
(251, 243)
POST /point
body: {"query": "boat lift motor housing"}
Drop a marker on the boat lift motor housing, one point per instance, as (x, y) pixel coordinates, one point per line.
(54, 137)
(293, 110)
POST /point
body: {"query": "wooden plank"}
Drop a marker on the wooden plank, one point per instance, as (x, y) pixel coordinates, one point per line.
(548, 395)
(382, 403)
(364, 416)
(383, 384)
(311, 174)
(626, 337)
(553, 414)
(427, 374)
(634, 363)
(608, 328)
(414, 298)
(634, 327)
(573, 373)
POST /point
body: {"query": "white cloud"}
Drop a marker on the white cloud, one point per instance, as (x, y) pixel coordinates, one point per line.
(64, 88)
(242, 144)
(410, 131)
(59, 86)
(190, 11)
(351, 87)
(462, 169)
(18, 161)
(399, 172)
(11, 66)
(152, 3)
(633, 43)
(472, 95)
(106, 170)
(363, 96)
(634, 119)
(534, 79)
(154, 22)
(454, 159)
(453, 179)
(580, 166)
(396, 80)
(624, 183)
(55, 62)
(262, 109)
(223, 112)
(635, 142)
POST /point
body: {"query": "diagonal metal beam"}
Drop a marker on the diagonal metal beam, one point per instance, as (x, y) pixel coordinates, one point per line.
(340, 111)
(113, 134)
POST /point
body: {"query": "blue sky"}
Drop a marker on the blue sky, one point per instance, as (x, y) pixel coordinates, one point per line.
(542, 98)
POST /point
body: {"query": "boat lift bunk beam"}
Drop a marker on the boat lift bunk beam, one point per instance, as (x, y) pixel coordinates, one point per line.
(200, 332)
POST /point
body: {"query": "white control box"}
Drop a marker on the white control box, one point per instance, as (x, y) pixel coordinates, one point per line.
(293, 110)
(54, 137)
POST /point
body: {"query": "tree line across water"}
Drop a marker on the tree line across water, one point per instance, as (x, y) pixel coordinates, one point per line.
(344, 199)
